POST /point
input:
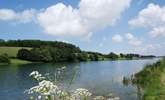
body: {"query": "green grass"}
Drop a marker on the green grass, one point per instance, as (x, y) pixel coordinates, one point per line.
(19, 61)
(152, 80)
(11, 51)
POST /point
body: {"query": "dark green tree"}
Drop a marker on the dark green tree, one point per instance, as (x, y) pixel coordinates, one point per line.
(112, 56)
(4, 59)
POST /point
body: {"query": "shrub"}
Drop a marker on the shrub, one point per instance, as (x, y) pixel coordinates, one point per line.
(4, 59)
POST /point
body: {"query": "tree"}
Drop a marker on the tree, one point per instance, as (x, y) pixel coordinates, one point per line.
(112, 56)
(36, 54)
(4, 58)
(24, 54)
(122, 55)
(91, 57)
(82, 56)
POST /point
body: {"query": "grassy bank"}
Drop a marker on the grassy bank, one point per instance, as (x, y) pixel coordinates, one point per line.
(19, 61)
(12, 54)
(151, 80)
(11, 51)
(16, 61)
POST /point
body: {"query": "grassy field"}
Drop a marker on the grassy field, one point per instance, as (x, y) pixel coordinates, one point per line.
(19, 61)
(11, 51)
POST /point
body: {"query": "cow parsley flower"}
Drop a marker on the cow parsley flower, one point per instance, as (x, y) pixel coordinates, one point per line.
(81, 94)
(36, 75)
(99, 98)
(44, 88)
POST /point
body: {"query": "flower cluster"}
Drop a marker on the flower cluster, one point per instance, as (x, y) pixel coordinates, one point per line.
(44, 88)
(82, 92)
(47, 90)
(99, 98)
(36, 75)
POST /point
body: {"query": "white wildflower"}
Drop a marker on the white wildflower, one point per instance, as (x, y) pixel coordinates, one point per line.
(81, 93)
(44, 88)
(114, 98)
(39, 97)
(63, 68)
(99, 98)
(62, 93)
(46, 97)
(36, 75)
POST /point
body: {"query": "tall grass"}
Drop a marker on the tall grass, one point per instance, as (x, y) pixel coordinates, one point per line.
(152, 81)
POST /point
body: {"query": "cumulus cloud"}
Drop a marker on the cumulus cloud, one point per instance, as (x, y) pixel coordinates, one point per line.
(61, 20)
(66, 21)
(133, 40)
(90, 16)
(7, 14)
(158, 31)
(152, 17)
(117, 38)
(20, 17)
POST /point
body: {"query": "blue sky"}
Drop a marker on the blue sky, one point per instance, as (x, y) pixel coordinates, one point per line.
(127, 26)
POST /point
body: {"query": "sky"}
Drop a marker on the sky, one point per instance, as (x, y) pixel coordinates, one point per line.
(120, 26)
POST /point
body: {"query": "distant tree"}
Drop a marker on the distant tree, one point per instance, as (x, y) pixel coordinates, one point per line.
(36, 54)
(82, 56)
(24, 54)
(131, 56)
(72, 57)
(112, 56)
(2, 42)
(40, 54)
(122, 55)
(91, 57)
(4, 58)
(96, 57)
(55, 54)
(39, 43)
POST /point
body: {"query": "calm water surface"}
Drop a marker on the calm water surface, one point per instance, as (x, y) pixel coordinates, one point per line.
(101, 78)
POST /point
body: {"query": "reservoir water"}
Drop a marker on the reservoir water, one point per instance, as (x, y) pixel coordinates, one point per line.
(99, 77)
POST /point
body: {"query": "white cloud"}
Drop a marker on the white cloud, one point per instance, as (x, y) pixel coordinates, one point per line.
(62, 20)
(7, 14)
(158, 31)
(90, 16)
(117, 38)
(20, 17)
(152, 17)
(133, 40)
(66, 21)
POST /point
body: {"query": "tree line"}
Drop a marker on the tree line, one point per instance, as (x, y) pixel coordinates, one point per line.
(55, 51)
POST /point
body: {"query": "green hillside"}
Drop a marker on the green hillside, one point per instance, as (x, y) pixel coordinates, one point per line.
(11, 51)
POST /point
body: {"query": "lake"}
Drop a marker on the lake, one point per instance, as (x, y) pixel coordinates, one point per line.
(99, 77)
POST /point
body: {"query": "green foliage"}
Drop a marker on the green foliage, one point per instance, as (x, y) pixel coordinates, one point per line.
(24, 54)
(36, 54)
(53, 54)
(112, 56)
(54, 51)
(151, 80)
(82, 56)
(4, 59)
(38, 43)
